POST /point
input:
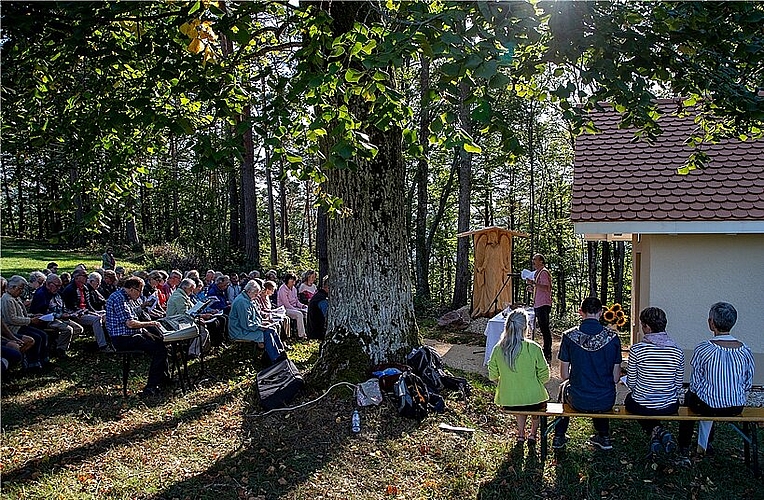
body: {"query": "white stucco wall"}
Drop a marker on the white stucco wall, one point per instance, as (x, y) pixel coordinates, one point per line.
(685, 274)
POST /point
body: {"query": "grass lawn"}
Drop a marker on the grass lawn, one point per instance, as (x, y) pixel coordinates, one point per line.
(70, 434)
(24, 256)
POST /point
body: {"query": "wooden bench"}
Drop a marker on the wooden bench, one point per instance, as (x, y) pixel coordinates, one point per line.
(744, 424)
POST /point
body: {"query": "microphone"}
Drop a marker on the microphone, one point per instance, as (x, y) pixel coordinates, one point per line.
(513, 275)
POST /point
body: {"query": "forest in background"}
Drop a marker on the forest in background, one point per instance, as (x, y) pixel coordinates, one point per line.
(206, 178)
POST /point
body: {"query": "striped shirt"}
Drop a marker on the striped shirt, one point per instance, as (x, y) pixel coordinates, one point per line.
(721, 376)
(655, 374)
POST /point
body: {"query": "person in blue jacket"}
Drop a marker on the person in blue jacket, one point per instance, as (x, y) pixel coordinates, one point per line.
(245, 323)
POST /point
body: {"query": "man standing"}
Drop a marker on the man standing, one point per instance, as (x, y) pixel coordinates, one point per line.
(107, 259)
(722, 375)
(590, 366)
(541, 286)
(317, 307)
(245, 323)
(129, 334)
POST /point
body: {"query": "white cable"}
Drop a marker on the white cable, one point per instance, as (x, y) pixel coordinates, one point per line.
(290, 408)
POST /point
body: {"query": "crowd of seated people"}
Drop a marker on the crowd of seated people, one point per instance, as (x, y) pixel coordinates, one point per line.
(42, 315)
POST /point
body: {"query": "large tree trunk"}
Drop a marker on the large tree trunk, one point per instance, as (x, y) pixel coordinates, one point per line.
(322, 235)
(371, 310)
(461, 286)
(422, 251)
(251, 236)
(271, 210)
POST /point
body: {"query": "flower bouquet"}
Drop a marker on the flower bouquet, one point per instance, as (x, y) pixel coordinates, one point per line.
(615, 316)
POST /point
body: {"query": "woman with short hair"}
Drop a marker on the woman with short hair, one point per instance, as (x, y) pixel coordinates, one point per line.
(287, 298)
(655, 374)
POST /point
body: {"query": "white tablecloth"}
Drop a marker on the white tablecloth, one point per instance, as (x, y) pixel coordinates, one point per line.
(496, 326)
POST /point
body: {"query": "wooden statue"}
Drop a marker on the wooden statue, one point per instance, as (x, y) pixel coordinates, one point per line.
(493, 262)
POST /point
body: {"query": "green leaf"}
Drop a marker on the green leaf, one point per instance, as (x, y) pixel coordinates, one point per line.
(352, 76)
(471, 148)
(487, 70)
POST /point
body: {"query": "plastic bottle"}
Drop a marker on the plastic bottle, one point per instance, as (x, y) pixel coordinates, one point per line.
(355, 422)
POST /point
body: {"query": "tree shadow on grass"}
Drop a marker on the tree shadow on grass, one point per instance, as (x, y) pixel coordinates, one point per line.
(41, 466)
(518, 476)
(279, 451)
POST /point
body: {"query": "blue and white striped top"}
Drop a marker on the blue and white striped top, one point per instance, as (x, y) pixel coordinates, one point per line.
(721, 376)
(655, 374)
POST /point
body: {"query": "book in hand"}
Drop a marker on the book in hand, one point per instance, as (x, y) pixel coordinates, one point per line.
(277, 315)
(199, 306)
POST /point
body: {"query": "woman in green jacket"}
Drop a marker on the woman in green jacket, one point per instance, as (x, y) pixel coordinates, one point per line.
(519, 367)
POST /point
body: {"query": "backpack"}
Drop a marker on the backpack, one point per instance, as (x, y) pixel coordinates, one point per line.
(427, 363)
(411, 396)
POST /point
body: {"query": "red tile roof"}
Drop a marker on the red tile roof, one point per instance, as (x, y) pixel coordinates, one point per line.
(618, 180)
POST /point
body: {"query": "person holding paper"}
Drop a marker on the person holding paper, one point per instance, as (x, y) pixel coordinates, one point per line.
(20, 323)
(541, 287)
(245, 323)
(287, 298)
(48, 301)
(75, 303)
(655, 375)
(128, 333)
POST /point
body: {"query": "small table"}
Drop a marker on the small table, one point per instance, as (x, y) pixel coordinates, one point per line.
(495, 327)
(179, 349)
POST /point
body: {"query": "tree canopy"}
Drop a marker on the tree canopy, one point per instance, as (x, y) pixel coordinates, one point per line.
(175, 120)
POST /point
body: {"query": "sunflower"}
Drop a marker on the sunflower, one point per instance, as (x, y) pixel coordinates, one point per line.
(616, 307)
(620, 314)
(609, 316)
(621, 321)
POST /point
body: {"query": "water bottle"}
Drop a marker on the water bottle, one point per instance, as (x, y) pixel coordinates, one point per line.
(355, 422)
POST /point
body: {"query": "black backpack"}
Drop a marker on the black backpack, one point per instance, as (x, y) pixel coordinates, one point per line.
(427, 363)
(411, 396)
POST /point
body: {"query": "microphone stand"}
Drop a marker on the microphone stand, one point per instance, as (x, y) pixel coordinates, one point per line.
(495, 303)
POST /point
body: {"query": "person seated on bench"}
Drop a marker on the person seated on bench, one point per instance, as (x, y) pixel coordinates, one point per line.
(244, 323)
(722, 375)
(655, 375)
(590, 362)
(47, 300)
(287, 298)
(76, 305)
(317, 309)
(129, 334)
(179, 303)
(520, 368)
